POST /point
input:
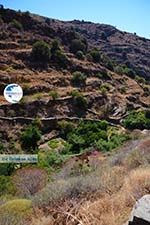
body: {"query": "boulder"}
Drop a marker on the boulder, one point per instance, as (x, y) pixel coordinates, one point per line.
(141, 212)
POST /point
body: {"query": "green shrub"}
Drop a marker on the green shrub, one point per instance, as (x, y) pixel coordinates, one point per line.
(103, 75)
(61, 59)
(140, 79)
(89, 134)
(80, 55)
(96, 56)
(125, 70)
(6, 185)
(77, 45)
(80, 101)
(51, 160)
(78, 79)
(137, 120)
(65, 128)
(30, 137)
(6, 169)
(54, 95)
(104, 88)
(123, 90)
(16, 24)
(41, 52)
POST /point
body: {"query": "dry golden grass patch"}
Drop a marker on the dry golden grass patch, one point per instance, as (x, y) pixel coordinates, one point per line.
(115, 209)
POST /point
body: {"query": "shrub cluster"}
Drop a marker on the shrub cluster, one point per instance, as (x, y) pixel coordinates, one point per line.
(89, 134)
(137, 120)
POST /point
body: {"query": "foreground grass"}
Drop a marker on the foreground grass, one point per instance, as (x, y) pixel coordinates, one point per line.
(103, 196)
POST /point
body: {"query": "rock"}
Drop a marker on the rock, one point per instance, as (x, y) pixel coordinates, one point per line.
(141, 212)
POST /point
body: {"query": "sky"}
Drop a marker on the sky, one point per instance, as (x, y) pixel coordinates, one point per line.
(127, 15)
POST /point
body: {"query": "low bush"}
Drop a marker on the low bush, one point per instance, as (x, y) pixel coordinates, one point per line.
(54, 95)
(60, 59)
(124, 70)
(80, 55)
(80, 101)
(41, 52)
(6, 185)
(77, 45)
(78, 79)
(96, 56)
(140, 79)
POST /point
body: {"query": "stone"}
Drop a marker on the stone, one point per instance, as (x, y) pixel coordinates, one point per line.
(141, 212)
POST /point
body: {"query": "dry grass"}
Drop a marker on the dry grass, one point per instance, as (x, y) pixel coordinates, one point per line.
(107, 208)
(115, 209)
(110, 191)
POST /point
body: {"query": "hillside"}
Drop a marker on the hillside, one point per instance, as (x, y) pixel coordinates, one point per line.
(85, 112)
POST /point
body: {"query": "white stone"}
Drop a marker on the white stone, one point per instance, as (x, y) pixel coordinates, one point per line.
(142, 209)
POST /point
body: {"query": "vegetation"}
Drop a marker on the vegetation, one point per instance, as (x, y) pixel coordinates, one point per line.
(41, 52)
(6, 185)
(30, 137)
(58, 56)
(137, 120)
(140, 79)
(28, 181)
(15, 211)
(88, 134)
(79, 100)
(125, 70)
(80, 55)
(78, 79)
(96, 56)
(54, 94)
(77, 45)
(16, 24)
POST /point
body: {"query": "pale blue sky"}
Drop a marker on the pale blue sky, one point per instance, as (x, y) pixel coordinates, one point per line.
(128, 15)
